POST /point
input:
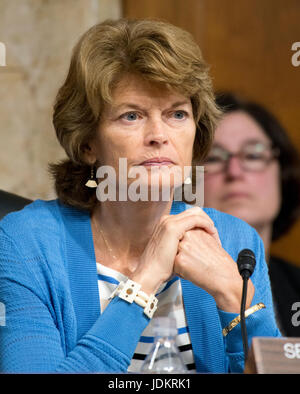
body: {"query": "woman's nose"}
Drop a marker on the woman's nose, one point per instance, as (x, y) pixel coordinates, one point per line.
(234, 167)
(155, 133)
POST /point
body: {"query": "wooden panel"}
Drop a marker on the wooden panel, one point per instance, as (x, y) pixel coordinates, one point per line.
(274, 356)
(248, 45)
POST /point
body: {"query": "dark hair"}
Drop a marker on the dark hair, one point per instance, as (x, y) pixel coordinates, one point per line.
(289, 161)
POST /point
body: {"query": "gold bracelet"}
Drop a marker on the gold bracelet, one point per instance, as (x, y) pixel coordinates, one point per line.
(237, 320)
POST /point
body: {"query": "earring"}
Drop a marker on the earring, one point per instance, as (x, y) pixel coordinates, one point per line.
(92, 181)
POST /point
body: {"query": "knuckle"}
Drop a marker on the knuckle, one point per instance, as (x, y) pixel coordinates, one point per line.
(187, 237)
(180, 263)
(197, 210)
(179, 260)
(169, 226)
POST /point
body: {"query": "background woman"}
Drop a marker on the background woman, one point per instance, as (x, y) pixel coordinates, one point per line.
(253, 172)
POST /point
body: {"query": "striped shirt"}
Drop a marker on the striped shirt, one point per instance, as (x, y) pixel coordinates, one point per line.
(170, 304)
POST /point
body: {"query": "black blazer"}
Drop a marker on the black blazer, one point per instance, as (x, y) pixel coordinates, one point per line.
(285, 284)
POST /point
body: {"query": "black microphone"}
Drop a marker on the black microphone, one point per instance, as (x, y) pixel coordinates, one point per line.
(246, 264)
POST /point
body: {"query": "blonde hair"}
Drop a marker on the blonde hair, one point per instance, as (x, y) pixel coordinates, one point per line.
(158, 51)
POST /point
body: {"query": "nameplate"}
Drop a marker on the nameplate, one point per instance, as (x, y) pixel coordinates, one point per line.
(273, 356)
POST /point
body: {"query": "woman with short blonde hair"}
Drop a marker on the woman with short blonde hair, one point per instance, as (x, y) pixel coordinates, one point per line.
(162, 53)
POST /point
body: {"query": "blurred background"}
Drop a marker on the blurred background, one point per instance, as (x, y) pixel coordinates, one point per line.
(247, 43)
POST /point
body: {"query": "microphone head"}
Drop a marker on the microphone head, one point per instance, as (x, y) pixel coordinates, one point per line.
(246, 262)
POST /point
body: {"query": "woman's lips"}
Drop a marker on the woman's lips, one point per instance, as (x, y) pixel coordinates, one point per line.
(157, 161)
(235, 195)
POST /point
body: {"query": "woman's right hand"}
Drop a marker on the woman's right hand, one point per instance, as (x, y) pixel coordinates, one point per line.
(157, 260)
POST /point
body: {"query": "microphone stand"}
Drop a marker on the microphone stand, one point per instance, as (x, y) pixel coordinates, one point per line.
(246, 264)
(242, 314)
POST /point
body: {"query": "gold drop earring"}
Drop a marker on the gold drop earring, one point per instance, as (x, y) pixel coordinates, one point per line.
(92, 180)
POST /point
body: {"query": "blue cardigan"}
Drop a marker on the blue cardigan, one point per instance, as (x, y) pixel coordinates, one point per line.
(48, 285)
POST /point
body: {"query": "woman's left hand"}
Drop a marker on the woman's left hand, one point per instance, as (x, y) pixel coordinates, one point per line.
(202, 260)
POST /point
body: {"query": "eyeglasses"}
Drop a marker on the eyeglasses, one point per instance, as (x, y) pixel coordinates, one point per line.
(253, 156)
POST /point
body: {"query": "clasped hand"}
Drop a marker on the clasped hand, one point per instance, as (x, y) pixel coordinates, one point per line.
(188, 245)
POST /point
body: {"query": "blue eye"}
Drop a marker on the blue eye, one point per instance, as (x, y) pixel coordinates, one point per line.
(179, 114)
(130, 116)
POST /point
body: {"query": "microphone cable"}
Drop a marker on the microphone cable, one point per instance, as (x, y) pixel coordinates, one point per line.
(246, 264)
